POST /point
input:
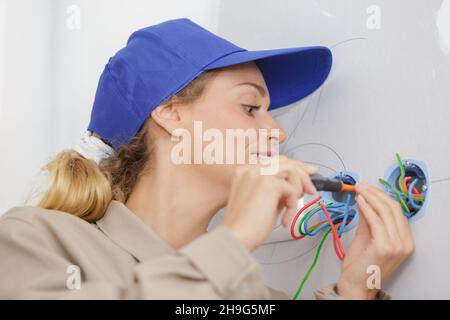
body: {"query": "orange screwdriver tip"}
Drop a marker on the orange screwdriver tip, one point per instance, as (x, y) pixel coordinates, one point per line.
(348, 187)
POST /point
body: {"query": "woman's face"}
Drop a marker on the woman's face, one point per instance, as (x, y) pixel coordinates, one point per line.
(235, 98)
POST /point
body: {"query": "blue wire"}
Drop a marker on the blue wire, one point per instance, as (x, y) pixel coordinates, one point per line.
(331, 210)
(335, 206)
(324, 226)
(305, 223)
(410, 198)
(346, 213)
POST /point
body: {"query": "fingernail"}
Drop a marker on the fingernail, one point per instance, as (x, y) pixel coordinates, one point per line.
(312, 169)
(360, 199)
(311, 190)
(361, 186)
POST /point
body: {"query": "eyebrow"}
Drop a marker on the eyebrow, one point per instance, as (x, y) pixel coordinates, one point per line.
(261, 90)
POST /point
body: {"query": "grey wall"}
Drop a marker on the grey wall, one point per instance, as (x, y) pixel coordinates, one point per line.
(388, 92)
(49, 70)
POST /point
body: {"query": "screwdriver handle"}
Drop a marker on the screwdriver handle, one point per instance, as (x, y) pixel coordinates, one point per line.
(331, 185)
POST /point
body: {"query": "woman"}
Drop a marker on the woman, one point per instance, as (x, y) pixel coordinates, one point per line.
(122, 219)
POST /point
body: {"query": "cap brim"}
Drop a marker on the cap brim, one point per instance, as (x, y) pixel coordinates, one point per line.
(290, 74)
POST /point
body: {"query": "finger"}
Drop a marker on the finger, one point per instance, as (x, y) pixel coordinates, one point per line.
(291, 210)
(399, 217)
(383, 210)
(308, 185)
(303, 170)
(388, 213)
(363, 226)
(374, 222)
(397, 212)
(288, 172)
(288, 194)
(294, 166)
(306, 167)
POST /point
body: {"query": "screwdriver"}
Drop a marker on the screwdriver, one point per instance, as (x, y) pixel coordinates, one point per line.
(332, 185)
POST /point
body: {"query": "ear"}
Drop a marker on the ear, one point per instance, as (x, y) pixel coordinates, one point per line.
(167, 117)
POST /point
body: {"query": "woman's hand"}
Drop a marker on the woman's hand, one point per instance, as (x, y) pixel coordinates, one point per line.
(256, 199)
(383, 239)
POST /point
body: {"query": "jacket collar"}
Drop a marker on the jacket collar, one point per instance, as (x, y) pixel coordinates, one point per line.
(128, 231)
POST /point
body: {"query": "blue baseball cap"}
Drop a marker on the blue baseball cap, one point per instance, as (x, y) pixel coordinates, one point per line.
(160, 60)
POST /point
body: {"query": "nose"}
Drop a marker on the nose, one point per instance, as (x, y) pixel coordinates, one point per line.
(270, 123)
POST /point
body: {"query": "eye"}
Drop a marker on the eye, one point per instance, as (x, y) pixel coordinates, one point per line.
(250, 108)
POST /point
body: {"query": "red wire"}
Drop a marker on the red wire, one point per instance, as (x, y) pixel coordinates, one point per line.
(416, 192)
(340, 253)
(337, 242)
(297, 237)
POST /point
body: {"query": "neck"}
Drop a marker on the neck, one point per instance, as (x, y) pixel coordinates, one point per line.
(176, 201)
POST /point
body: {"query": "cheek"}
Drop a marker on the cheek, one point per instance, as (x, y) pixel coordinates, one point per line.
(224, 117)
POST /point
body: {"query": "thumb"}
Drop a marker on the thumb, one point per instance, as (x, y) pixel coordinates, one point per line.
(362, 230)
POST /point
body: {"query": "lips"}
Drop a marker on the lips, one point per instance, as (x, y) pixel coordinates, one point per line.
(267, 154)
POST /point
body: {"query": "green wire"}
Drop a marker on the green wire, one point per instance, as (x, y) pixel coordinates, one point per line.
(399, 198)
(307, 214)
(311, 268)
(416, 199)
(402, 175)
(322, 241)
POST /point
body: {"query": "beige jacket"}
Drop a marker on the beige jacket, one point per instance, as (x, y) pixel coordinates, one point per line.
(44, 254)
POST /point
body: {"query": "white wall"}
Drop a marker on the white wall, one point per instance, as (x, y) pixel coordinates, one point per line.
(26, 112)
(49, 73)
(388, 92)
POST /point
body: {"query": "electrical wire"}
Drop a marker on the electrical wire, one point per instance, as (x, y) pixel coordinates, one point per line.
(337, 242)
(337, 215)
(405, 181)
(402, 174)
(399, 198)
(298, 215)
(415, 197)
(410, 197)
(311, 268)
(346, 214)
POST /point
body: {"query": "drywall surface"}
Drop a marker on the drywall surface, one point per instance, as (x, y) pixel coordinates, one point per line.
(388, 92)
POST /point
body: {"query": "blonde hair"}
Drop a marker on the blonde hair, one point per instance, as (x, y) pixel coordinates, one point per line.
(81, 187)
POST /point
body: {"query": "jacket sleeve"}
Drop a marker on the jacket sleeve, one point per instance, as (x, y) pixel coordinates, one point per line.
(330, 293)
(214, 266)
